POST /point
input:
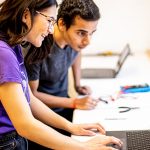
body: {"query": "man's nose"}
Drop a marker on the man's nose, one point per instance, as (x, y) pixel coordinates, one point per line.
(86, 40)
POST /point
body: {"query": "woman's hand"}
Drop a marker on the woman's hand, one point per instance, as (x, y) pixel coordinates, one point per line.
(101, 142)
(87, 129)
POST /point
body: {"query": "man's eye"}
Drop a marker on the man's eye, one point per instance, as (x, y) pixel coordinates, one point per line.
(81, 34)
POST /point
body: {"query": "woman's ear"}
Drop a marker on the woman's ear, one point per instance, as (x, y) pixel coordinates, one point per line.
(26, 18)
(61, 25)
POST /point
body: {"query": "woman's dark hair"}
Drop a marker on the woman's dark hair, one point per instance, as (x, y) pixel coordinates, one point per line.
(12, 29)
(69, 9)
(37, 54)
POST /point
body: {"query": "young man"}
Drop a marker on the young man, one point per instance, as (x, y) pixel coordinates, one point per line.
(76, 22)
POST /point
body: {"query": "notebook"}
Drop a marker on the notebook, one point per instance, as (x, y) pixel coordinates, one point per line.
(132, 139)
(104, 66)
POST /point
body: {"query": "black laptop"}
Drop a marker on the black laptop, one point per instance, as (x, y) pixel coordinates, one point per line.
(103, 71)
(133, 139)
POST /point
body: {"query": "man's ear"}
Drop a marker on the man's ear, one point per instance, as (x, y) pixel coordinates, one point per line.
(26, 17)
(61, 25)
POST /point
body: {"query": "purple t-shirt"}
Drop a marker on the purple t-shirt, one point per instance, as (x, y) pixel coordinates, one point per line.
(12, 69)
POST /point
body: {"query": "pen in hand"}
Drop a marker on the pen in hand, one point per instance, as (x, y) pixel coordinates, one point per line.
(102, 100)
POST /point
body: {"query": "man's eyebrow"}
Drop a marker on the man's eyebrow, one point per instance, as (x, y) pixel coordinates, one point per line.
(94, 31)
(84, 31)
(81, 30)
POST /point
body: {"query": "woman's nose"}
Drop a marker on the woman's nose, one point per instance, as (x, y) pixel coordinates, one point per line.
(50, 29)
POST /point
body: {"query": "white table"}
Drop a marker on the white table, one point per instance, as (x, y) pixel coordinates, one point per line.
(136, 70)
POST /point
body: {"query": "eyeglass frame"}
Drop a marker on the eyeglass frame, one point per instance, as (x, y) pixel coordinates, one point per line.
(51, 20)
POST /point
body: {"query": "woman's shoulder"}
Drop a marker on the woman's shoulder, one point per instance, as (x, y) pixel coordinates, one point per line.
(3, 44)
(6, 50)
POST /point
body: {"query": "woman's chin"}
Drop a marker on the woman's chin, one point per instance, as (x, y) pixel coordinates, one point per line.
(38, 44)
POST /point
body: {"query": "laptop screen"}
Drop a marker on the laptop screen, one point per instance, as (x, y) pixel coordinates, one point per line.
(124, 54)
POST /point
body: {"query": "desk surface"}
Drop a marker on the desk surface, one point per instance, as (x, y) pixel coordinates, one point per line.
(136, 70)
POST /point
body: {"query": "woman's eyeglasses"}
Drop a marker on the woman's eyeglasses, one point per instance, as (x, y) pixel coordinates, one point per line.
(51, 20)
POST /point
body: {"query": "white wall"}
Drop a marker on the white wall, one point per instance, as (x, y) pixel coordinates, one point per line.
(122, 21)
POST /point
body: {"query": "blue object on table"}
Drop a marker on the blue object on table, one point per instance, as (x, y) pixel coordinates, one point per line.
(134, 86)
(136, 90)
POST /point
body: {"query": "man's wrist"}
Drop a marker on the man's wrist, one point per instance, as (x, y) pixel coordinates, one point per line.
(78, 88)
(74, 103)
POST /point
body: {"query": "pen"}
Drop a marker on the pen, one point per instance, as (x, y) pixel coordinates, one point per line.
(102, 100)
(136, 90)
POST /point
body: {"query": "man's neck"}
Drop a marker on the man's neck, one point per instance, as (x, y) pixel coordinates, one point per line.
(58, 37)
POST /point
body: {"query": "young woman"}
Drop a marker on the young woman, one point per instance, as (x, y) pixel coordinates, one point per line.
(22, 116)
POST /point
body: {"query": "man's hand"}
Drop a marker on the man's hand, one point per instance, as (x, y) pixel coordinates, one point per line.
(84, 90)
(85, 103)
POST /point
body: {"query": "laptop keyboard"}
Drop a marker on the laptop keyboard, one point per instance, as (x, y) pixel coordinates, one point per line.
(138, 140)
